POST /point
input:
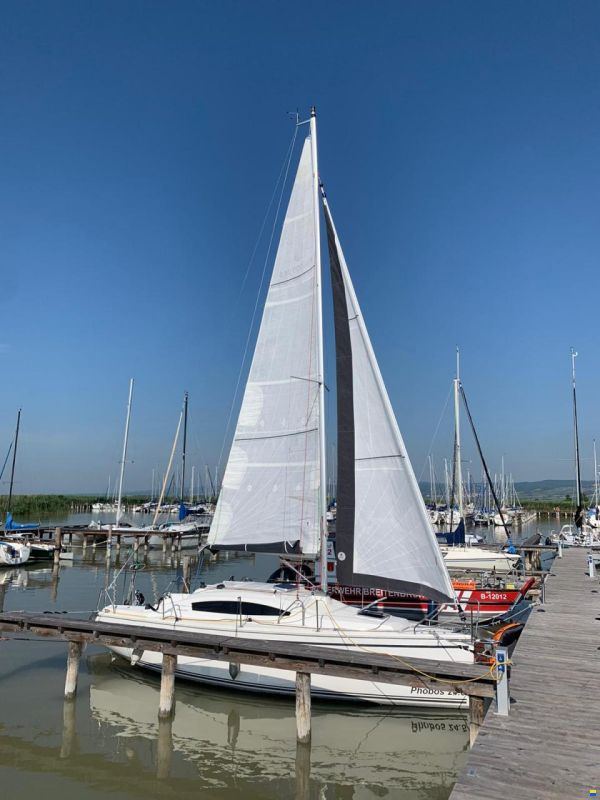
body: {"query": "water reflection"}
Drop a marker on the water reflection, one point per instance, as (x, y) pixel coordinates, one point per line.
(228, 741)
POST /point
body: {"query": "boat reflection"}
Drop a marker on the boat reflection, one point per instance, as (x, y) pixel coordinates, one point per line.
(230, 741)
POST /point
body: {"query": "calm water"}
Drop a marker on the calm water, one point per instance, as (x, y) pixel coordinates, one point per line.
(219, 745)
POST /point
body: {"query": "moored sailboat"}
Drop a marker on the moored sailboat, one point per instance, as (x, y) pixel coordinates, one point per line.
(273, 497)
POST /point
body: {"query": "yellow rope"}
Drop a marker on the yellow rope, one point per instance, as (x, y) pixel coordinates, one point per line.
(408, 664)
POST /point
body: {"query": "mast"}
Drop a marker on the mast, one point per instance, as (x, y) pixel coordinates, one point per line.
(125, 438)
(185, 415)
(192, 485)
(14, 459)
(457, 442)
(595, 477)
(579, 509)
(321, 375)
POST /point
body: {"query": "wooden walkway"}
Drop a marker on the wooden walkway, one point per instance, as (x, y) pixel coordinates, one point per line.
(548, 747)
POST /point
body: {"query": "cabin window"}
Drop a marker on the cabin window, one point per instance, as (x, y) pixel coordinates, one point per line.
(235, 607)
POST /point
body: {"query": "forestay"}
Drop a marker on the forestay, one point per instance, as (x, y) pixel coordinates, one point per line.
(384, 537)
(270, 492)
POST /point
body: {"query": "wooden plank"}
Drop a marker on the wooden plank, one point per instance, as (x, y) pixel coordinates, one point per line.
(418, 673)
(546, 748)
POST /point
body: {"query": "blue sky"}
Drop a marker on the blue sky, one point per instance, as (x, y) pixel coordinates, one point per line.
(140, 144)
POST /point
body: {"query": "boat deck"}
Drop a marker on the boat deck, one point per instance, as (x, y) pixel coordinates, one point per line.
(548, 746)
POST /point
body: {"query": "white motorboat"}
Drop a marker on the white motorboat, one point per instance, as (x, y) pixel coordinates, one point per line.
(12, 553)
(274, 499)
(571, 536)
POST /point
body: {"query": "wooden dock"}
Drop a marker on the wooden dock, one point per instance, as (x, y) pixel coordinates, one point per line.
(547, 748)
(475, 681)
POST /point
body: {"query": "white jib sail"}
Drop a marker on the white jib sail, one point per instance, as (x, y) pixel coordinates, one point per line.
(271, 485)
(393, 537)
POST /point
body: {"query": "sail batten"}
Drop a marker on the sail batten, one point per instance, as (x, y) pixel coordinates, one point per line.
(384, 538)
(271, 486)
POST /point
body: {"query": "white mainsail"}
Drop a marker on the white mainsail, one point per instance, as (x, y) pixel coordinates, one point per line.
(384, 537)
(271, 486)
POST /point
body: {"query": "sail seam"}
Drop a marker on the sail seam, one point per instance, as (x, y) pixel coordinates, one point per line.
(375, 458)
(294, 277)
(274, 435)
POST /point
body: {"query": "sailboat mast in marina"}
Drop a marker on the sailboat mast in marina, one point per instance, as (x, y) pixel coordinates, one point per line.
(124, 455)
(579, 503)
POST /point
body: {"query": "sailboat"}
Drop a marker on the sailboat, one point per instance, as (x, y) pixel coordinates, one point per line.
(14, 547)
(463, 554)
(273, 496)
(98, 524)
(580, 534)
(186, 529)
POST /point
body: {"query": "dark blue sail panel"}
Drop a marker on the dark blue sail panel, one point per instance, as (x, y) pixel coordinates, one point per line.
(182, 511)
(11, 525)
(457, 536)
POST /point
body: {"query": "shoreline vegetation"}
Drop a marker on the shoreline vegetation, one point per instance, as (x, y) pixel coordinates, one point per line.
(28, 504)
(44, 504)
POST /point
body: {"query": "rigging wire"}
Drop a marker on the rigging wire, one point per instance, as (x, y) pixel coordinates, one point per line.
(437, 427)
(284, 171)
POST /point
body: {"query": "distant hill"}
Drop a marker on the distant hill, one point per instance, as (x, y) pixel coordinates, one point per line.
(551, 490)
(548, 490)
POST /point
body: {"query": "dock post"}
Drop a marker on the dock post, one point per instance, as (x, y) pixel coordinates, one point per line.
(559, 549)
(179, 543)
(164, 543)
(145, 544)
(109, 541)
(69, 736)
(303, 707)
(502, 691)
(57, 544)
(167, 686)
(477, 709)
(186, 569)
(118, 543)
(136, 544)
(73, 659)
(591, 566)
(164, 748)
(302, 771)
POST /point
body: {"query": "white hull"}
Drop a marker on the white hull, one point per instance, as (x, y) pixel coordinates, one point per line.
(477, 558)
(283, 682)
(297, 617)
(12, 554)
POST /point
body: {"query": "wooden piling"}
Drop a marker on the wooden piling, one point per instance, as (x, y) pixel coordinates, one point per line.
(303, 706)
(302, 771)
(73, 659)
(69, 738)
(478, 707)
(167, 686)
(164, 748)
(186, 569)
(57, 544)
